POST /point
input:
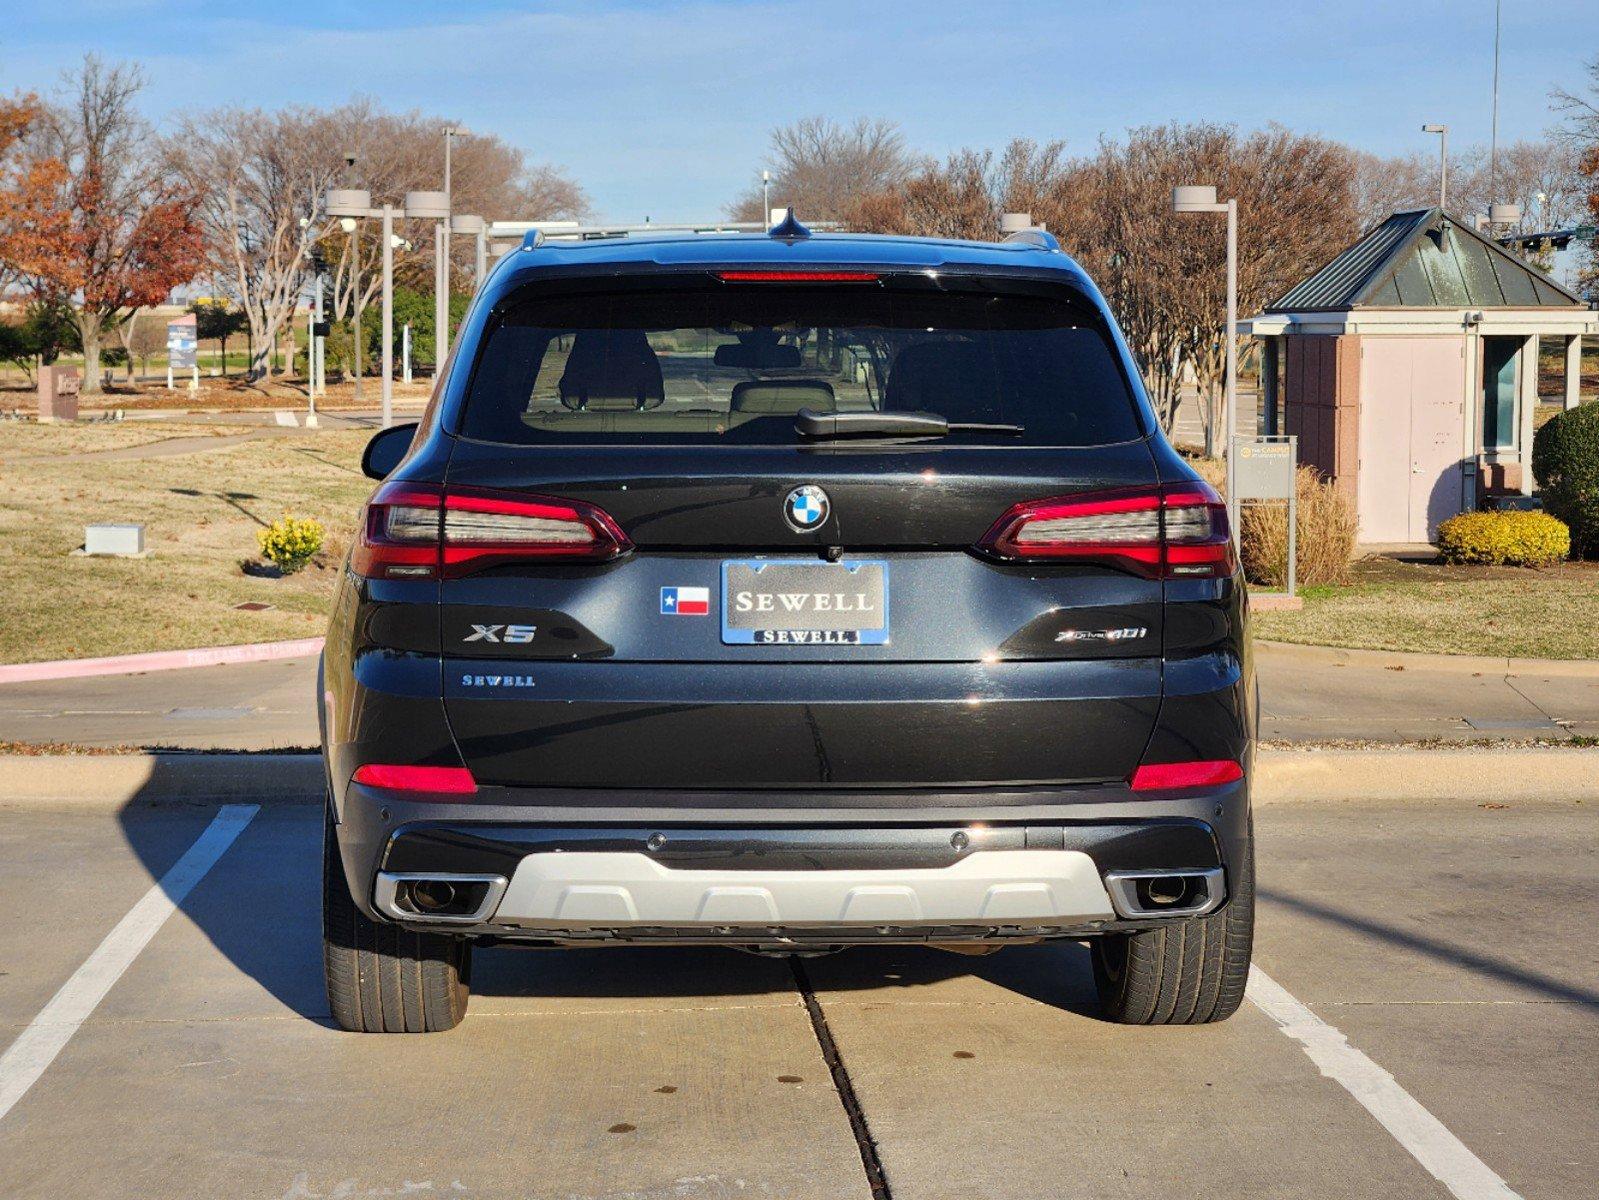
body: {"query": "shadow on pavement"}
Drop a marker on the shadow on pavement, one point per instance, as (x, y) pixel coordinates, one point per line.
(1442, 951)
(260, 906)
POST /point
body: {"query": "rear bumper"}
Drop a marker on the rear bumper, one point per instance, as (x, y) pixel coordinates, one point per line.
(934, 867)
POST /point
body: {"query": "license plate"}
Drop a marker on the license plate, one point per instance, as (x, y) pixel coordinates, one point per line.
(805, 603)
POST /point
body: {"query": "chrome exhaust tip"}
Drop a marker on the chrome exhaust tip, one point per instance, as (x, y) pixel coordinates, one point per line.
(438, 898)
(1138, 895)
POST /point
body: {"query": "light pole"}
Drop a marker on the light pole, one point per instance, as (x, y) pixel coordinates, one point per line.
(435, 206)
(1443, 161)
(766, 198)
(353, 205)
(478, 229)
(1196, 199)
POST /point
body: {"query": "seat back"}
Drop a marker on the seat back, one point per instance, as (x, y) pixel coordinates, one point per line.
(611, 370)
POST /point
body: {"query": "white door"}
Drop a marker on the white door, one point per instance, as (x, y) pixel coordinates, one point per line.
(1412, 403)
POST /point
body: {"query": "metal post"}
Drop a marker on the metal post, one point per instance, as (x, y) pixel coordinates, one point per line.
(1493, 139)
(766, 198)
(405, 352)
(355, 303)
(441, 293)
(482, 263)
(1293, 517)
(1443, 169)
(1232, 360)
(388, 315)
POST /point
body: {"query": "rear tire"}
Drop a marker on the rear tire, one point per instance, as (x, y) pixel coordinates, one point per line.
(1189, 972)
(382, 978)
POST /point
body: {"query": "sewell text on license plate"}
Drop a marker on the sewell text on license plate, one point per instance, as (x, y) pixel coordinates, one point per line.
(797, 603)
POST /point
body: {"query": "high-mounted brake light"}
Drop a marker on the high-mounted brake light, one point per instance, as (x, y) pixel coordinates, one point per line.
(1157, 776)
(422, 531)
(450, 780)
(1173, 532)
(797, 276)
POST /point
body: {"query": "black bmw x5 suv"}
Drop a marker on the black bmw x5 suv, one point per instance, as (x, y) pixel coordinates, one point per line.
(788, 593)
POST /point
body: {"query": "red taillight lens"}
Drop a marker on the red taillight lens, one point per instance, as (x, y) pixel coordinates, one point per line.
(1156, 776)
(797, 276)
(1171, 532)
(422, 531)
(452, 780)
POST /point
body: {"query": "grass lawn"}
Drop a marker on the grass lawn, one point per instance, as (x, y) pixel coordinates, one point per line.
(200, 512)
(1439, 609)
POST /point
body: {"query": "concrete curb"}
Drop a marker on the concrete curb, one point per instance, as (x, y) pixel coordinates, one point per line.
(160, 660)
(107, 783)
(1467, 664)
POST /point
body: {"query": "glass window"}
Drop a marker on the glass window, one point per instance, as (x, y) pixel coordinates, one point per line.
(737, 362)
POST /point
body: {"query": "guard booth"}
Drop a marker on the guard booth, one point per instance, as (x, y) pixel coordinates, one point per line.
(1407, 367)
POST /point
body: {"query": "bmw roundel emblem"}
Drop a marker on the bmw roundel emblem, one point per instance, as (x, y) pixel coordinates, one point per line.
(806, 508)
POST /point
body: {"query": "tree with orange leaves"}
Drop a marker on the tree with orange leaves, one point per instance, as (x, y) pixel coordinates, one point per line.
(30, 221)
(117, 234)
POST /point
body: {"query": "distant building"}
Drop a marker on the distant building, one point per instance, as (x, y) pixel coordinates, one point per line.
(1407, 367)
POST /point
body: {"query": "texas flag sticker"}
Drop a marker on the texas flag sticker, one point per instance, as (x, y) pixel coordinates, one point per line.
(685, 602)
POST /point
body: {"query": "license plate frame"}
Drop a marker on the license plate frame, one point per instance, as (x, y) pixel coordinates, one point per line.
(835, 626)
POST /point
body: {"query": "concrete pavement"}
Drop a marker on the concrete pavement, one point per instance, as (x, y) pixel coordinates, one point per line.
(1307, 695)
(1452, 948)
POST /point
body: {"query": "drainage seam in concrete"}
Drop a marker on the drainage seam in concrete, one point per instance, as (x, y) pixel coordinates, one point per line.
(870, 1162)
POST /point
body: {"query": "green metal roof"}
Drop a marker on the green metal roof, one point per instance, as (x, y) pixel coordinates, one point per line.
(1424, 259)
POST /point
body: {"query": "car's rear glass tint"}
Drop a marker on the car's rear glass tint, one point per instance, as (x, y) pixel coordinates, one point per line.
(737, 362)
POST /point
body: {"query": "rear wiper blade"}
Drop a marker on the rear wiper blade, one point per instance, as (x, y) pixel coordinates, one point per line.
(812, 424)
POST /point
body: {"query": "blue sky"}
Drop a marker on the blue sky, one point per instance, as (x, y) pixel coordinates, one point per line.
(663, 109)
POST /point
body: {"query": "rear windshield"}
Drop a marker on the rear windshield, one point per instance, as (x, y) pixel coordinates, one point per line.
(736, 362)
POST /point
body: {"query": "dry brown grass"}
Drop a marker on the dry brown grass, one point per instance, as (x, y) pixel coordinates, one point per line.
(200, 512)
(1325, 527)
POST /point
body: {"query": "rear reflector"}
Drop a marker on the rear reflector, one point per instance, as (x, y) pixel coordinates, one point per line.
(422, 531)
(797, 276)
(1171, 532)
(1156, 776)
(453, 780)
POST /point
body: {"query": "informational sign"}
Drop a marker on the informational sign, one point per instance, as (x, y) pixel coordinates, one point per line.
(183, 343)
(1264, 470)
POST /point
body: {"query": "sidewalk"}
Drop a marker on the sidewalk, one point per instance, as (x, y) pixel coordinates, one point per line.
(1308, 695)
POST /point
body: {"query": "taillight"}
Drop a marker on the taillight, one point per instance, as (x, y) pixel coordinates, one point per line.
(451, 780)
(1158, 776)
(1173, 532)
(421, 531)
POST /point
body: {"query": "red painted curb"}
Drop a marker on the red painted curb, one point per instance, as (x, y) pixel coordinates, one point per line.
(160, 660)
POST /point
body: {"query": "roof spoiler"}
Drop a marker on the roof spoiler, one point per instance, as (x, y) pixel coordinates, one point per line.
(1038, 239)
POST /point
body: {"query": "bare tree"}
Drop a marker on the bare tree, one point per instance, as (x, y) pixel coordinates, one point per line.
(1578, 131)
(260, 176)
(822, 169)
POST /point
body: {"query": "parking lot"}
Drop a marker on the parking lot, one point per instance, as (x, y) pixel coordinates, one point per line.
(1452, 944)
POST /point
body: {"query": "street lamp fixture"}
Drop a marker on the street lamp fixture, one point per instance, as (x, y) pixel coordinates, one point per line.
(1202, 199)
(435, 206)
(1443, 160)
(354, 205)
(477, 228)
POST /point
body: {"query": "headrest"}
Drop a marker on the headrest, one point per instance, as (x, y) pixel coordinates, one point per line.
(952, 378)
(611, 369)
(784, 397)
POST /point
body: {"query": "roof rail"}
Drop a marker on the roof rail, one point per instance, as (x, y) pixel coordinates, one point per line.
(1039, 239)
(788, 227)
(533, 239)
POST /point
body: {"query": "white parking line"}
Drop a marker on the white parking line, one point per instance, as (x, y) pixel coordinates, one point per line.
(37, 1046)
(1413, 1127)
